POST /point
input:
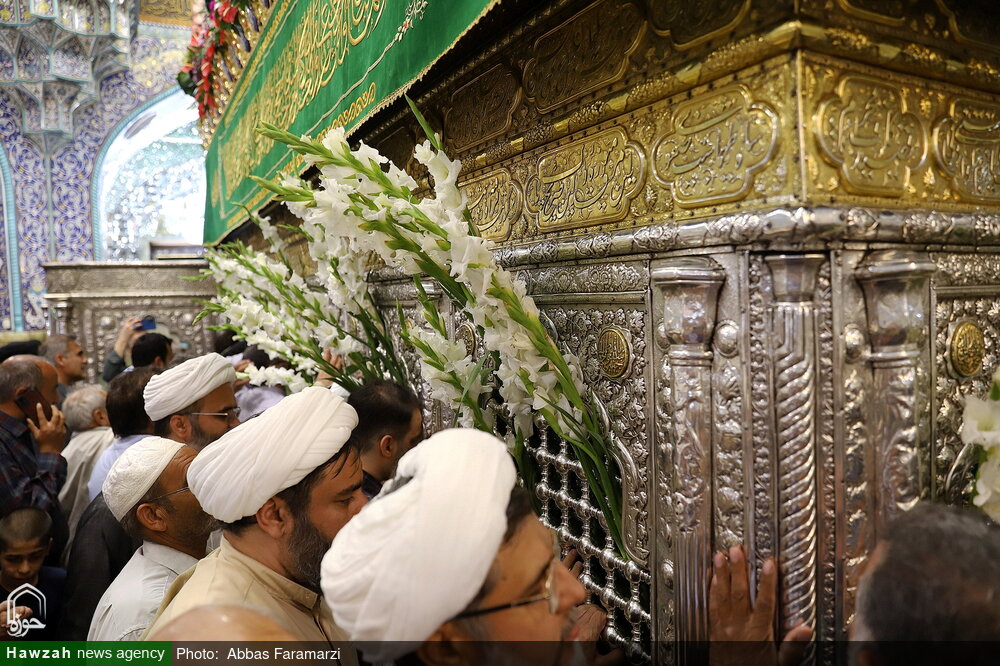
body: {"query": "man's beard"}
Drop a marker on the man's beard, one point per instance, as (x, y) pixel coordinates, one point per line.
(307, 547)
(199, 438)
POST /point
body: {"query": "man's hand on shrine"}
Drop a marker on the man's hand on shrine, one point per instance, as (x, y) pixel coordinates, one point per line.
(743, 633)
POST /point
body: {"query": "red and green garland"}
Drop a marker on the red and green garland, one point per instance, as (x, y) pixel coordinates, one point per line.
(215, 27)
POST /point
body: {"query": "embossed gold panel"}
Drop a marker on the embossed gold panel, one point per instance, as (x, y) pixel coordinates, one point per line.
(692, 22)
(722, 147)
(967, 148)
(715, 145)
(966, 348)
(587, 181)
(481, 109)
(614, 352)
(586, 52)
(866, 129)
(885, 139)
(495, 203)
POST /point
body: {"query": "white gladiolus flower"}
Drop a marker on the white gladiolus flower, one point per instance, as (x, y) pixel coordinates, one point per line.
(981, 422)
(281, 377)
(988, 486)
(366, 153)
(400, 178)
(335, 140)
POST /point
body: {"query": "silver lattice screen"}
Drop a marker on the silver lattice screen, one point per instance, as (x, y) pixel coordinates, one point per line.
(620, 586)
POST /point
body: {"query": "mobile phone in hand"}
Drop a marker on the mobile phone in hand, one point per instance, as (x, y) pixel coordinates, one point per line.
(148, 323)
(28, 402)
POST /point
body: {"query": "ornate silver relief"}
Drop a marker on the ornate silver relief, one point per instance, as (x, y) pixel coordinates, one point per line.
(897, 298)
(795, 379)
(689, 289)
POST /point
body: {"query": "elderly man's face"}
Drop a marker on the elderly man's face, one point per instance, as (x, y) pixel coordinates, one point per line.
(74, 361)
(186, 517)
(529, 568)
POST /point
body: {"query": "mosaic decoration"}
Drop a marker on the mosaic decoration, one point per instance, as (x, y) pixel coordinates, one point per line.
(63, 218)
(30, 204)
(156, 192)
(5, 321)
(54, 54)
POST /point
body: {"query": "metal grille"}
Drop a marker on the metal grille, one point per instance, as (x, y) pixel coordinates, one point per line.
(621, 587)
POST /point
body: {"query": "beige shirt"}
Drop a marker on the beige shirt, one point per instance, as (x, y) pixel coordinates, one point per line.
(81, 455)
(227, 576)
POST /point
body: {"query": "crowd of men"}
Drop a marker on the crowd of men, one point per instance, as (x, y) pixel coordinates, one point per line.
(158, 509)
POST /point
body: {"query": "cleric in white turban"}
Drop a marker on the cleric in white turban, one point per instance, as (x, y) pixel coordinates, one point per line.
(283, 484)
(193, 402)
(449, 559)
(147, 493)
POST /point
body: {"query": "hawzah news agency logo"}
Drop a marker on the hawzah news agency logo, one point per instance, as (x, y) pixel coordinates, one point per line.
(16, 625)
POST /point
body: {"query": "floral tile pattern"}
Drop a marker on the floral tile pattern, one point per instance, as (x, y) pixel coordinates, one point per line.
(55, 222)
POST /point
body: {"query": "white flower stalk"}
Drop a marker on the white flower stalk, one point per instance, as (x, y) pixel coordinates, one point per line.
(981, 427)
(434, 238)
(280, 377)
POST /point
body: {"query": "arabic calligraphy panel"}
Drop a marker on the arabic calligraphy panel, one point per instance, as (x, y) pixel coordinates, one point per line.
(587, 181)
(586, 52)
(867, 130)
(482, 108)
(717, 142)
(967, 148)
(495, 203)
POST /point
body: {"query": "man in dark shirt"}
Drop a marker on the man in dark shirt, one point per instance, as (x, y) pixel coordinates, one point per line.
(30, 475)
(101, 548)
(100, 551)
(390, 423)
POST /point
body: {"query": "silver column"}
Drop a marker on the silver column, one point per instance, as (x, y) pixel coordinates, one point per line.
(689, 288)
(897, 299)
(793, 323)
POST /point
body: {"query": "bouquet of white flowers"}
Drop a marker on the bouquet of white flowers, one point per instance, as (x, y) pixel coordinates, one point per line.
(362, 196)
(981, 428)
(265, 302)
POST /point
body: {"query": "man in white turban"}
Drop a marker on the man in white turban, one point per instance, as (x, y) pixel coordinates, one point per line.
(449, 560)
(283, 484)
(147, 492)
(194, 402)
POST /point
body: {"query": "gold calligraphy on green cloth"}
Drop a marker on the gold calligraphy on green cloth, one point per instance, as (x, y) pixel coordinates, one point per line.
(320, 64)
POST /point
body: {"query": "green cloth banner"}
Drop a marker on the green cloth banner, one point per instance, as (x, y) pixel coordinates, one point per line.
(320, 64)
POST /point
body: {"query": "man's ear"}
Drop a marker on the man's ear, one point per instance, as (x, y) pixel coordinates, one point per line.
(151, 516)
(48, 547)
(445, 647)
(100, 416)
(387, 446)
(59, 360)
(158, 363)
(180, 427)
(275, 518)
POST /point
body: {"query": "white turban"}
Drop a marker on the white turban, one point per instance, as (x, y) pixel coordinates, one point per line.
(135, 472)
(418, 554)
(236, 474)
(171, 391)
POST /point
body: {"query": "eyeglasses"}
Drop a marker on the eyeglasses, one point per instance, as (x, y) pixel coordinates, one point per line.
(230, 414)
(172, 492)
(551, 593)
